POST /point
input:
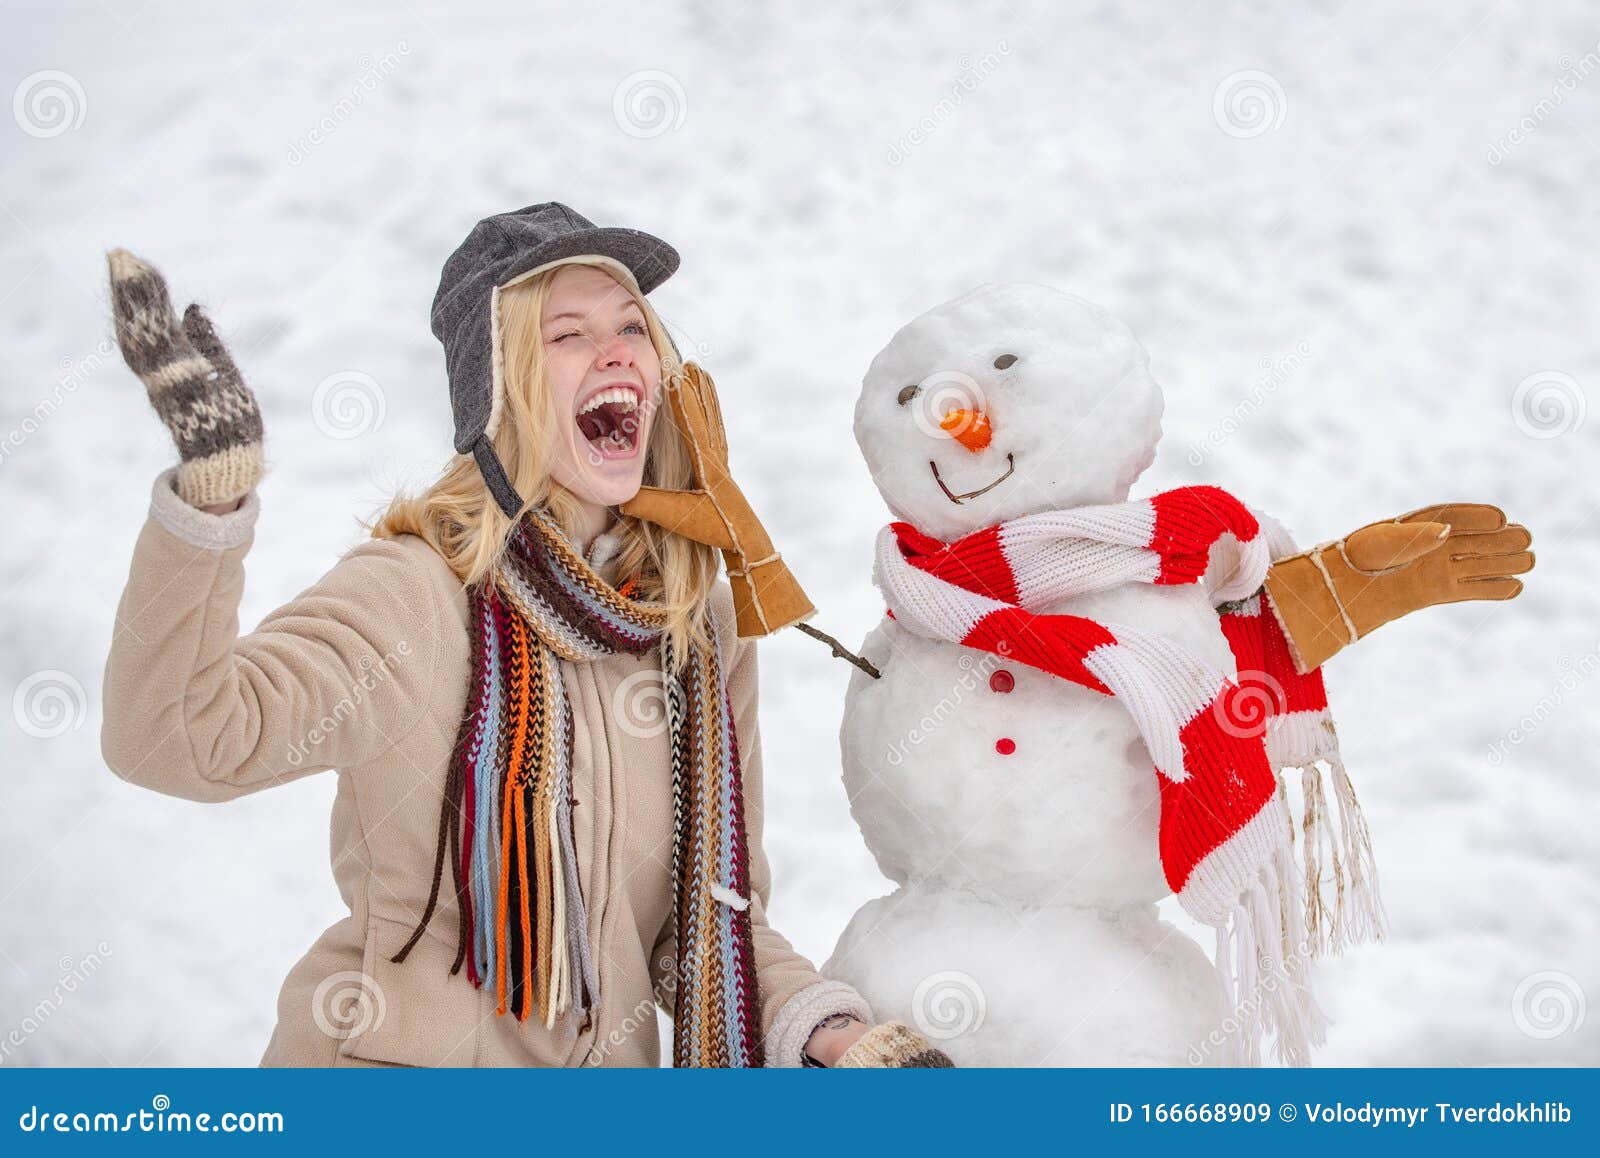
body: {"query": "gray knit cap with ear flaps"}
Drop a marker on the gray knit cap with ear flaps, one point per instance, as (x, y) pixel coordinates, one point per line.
(502, 249)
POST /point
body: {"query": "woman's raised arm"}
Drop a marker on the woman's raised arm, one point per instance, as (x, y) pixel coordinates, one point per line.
(331, 679)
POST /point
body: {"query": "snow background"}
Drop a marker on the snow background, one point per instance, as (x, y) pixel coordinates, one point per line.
(1368, 230)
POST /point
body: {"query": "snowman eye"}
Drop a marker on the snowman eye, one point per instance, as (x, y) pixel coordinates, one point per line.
(1004, 361)
(907, 393)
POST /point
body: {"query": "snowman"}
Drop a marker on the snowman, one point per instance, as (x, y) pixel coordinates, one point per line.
(1039, 764)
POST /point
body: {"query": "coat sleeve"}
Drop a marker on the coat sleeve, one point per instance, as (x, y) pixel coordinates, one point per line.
(794, 996)
(333, 678)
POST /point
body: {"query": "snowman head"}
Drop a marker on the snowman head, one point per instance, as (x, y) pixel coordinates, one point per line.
(1010, 400)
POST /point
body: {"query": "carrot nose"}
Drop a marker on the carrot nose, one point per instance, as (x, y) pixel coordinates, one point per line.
(968, 427)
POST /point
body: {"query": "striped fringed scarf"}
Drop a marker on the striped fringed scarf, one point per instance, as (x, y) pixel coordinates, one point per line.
(506, 819)
(1225, 840)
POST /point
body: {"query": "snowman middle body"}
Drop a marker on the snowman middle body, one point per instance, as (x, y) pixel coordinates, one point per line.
(1018, 813)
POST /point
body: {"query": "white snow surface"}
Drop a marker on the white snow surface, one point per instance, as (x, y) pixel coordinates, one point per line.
(1356, 242)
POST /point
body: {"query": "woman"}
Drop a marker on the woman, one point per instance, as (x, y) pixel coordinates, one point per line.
(471, 672)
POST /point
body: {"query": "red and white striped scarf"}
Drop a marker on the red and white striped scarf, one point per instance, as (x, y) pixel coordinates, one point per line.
(1218, 742)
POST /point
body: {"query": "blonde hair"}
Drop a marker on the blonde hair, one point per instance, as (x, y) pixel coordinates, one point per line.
(460, 519)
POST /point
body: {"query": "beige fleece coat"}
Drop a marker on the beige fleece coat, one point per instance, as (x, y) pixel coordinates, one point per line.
(365, 672)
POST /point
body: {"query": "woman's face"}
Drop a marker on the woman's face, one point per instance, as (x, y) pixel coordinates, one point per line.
(605, 381)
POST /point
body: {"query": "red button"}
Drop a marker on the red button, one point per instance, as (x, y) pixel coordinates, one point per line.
(1005, 746)
(1002, 681)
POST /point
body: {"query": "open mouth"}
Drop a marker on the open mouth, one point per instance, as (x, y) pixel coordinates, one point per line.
(610, 420)
(1011, 465)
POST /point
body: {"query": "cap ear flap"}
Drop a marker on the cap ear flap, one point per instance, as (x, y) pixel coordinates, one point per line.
(489, 464)
(494, 475)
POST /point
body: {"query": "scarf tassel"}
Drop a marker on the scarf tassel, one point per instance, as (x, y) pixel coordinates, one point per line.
(1331, 894)
(1343, 905)
(534, 938)
(1266, 972)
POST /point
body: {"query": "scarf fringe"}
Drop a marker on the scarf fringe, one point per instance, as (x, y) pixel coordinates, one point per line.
(1343, 904)
(1296, 911)
(1267, 970)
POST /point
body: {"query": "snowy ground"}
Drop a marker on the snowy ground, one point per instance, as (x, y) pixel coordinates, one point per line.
(1341, 297)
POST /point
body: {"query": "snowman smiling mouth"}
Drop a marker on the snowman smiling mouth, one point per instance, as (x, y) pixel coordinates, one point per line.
(1011, 465)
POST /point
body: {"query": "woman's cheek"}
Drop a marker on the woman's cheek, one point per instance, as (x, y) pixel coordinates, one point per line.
(566, 375)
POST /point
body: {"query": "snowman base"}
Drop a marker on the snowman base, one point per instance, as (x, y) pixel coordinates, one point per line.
(993, 985)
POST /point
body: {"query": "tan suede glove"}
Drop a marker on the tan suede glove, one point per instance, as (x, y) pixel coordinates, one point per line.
(893, 1045)
(1332, 595)
(765, 595)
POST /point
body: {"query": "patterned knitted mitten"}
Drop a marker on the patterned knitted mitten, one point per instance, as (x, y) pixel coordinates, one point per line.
(192, 382)
(893, 1045)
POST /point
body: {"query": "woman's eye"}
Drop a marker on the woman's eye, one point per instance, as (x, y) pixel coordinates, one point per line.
(635, 327)
(907, 393)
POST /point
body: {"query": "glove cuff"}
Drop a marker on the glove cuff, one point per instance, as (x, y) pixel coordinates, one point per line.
(766, 595)
(1300, 593)
(220, 477)
(892, 1045)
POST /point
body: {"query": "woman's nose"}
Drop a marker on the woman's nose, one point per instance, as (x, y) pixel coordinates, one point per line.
(616, 352)
(968, 427)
